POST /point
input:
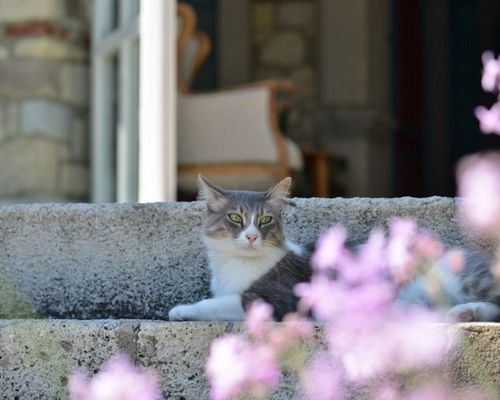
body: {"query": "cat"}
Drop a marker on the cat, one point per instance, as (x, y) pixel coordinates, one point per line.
(249, 259)
(248, 255)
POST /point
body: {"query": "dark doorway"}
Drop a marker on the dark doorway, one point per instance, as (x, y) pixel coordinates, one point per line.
(436, 86)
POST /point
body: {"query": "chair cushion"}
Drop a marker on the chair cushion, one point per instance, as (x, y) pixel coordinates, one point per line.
(188, 181)
(295, 159)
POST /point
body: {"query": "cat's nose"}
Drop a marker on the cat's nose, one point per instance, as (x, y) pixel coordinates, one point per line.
(251, 238)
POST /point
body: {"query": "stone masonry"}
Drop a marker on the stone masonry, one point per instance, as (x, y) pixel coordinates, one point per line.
(44, 100)
(284, 36)
(127, 264)
(337, 53)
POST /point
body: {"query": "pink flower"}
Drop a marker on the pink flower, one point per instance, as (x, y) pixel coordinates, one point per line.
(294, 328)
(370, 262)
(455, 259)
(434, 391)
(388, 392)
(489, 120)
(258, 317)
(330, 249)
(390, 343)
(479, 183)
(400, 258)
(428, 247)
(119, 379)
(321, 295)
(322, 380)
(491, 72)
(227, 367)
(236, 366)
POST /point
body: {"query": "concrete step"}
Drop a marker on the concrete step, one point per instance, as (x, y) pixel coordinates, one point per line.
(36, 356)
(134, 262)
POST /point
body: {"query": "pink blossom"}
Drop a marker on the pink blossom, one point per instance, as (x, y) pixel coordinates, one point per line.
(479, 183)
(330, 249)
(455, 259)
(388, 391)
(434, 391)
(227, 367)
(489, 120)
(428, 247)
(294, 328)
(322, 380)
(391, 343)
(491, 72)
(321, 295)
(119, 379)
(258, 317)
(236, 366)
(370, 262)
(400, 258)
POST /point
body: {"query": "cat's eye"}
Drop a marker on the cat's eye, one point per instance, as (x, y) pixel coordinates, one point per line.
(265, 219)
(236, 218)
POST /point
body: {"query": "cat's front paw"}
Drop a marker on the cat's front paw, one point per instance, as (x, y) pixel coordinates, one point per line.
(182, 312)
(462, 313)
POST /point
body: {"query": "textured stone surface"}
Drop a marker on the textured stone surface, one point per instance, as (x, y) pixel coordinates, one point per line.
(136, 261)
(74, 83)
(263, 16)
(284, 49)
(74, 180)
(9, 119)
(38, 355)
(46, 48)
(47, 118)
(79, 140)
(29, 78)
(4, 52)
(299, 14)
(28, 166)
(303, 78)
(16, 11)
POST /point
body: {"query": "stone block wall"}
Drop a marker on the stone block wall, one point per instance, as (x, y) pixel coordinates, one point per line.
(337, 53)
(44, 96)
(283, 44)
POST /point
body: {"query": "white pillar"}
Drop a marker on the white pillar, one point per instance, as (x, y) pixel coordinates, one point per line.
(157, 136)
(103, 179)
(128, 123)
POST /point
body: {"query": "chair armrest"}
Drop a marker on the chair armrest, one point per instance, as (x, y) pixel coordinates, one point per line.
(230, 126)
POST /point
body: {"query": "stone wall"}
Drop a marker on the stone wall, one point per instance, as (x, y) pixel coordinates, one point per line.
(44, 84)
(283, 44)
(337, 53)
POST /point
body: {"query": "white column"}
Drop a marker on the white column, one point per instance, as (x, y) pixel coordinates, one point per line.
(103, 180)
(157, 136)
(128, 122)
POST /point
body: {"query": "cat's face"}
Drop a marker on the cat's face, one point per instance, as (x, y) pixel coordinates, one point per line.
(243, 223)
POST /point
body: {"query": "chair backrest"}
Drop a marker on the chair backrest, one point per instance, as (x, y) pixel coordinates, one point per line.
(192, 47)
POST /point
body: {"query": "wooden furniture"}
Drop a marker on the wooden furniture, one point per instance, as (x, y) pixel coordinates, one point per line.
(233, 135)
(317, 161)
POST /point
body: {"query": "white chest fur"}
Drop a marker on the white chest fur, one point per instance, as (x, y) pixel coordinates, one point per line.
(232, 275)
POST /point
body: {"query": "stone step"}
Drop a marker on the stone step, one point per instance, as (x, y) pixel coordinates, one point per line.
(37, 356)
(116, 268)
(136, 261)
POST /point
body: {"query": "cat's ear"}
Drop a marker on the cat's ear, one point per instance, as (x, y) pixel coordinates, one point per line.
(281, 191)
(214, 195)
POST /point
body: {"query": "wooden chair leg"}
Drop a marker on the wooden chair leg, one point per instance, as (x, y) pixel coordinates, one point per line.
(317, 160)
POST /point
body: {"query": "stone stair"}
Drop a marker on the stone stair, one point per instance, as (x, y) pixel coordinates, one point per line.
(80, 282)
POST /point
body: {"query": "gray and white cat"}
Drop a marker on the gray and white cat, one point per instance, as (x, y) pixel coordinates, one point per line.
(250, 258)
(248, 254)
